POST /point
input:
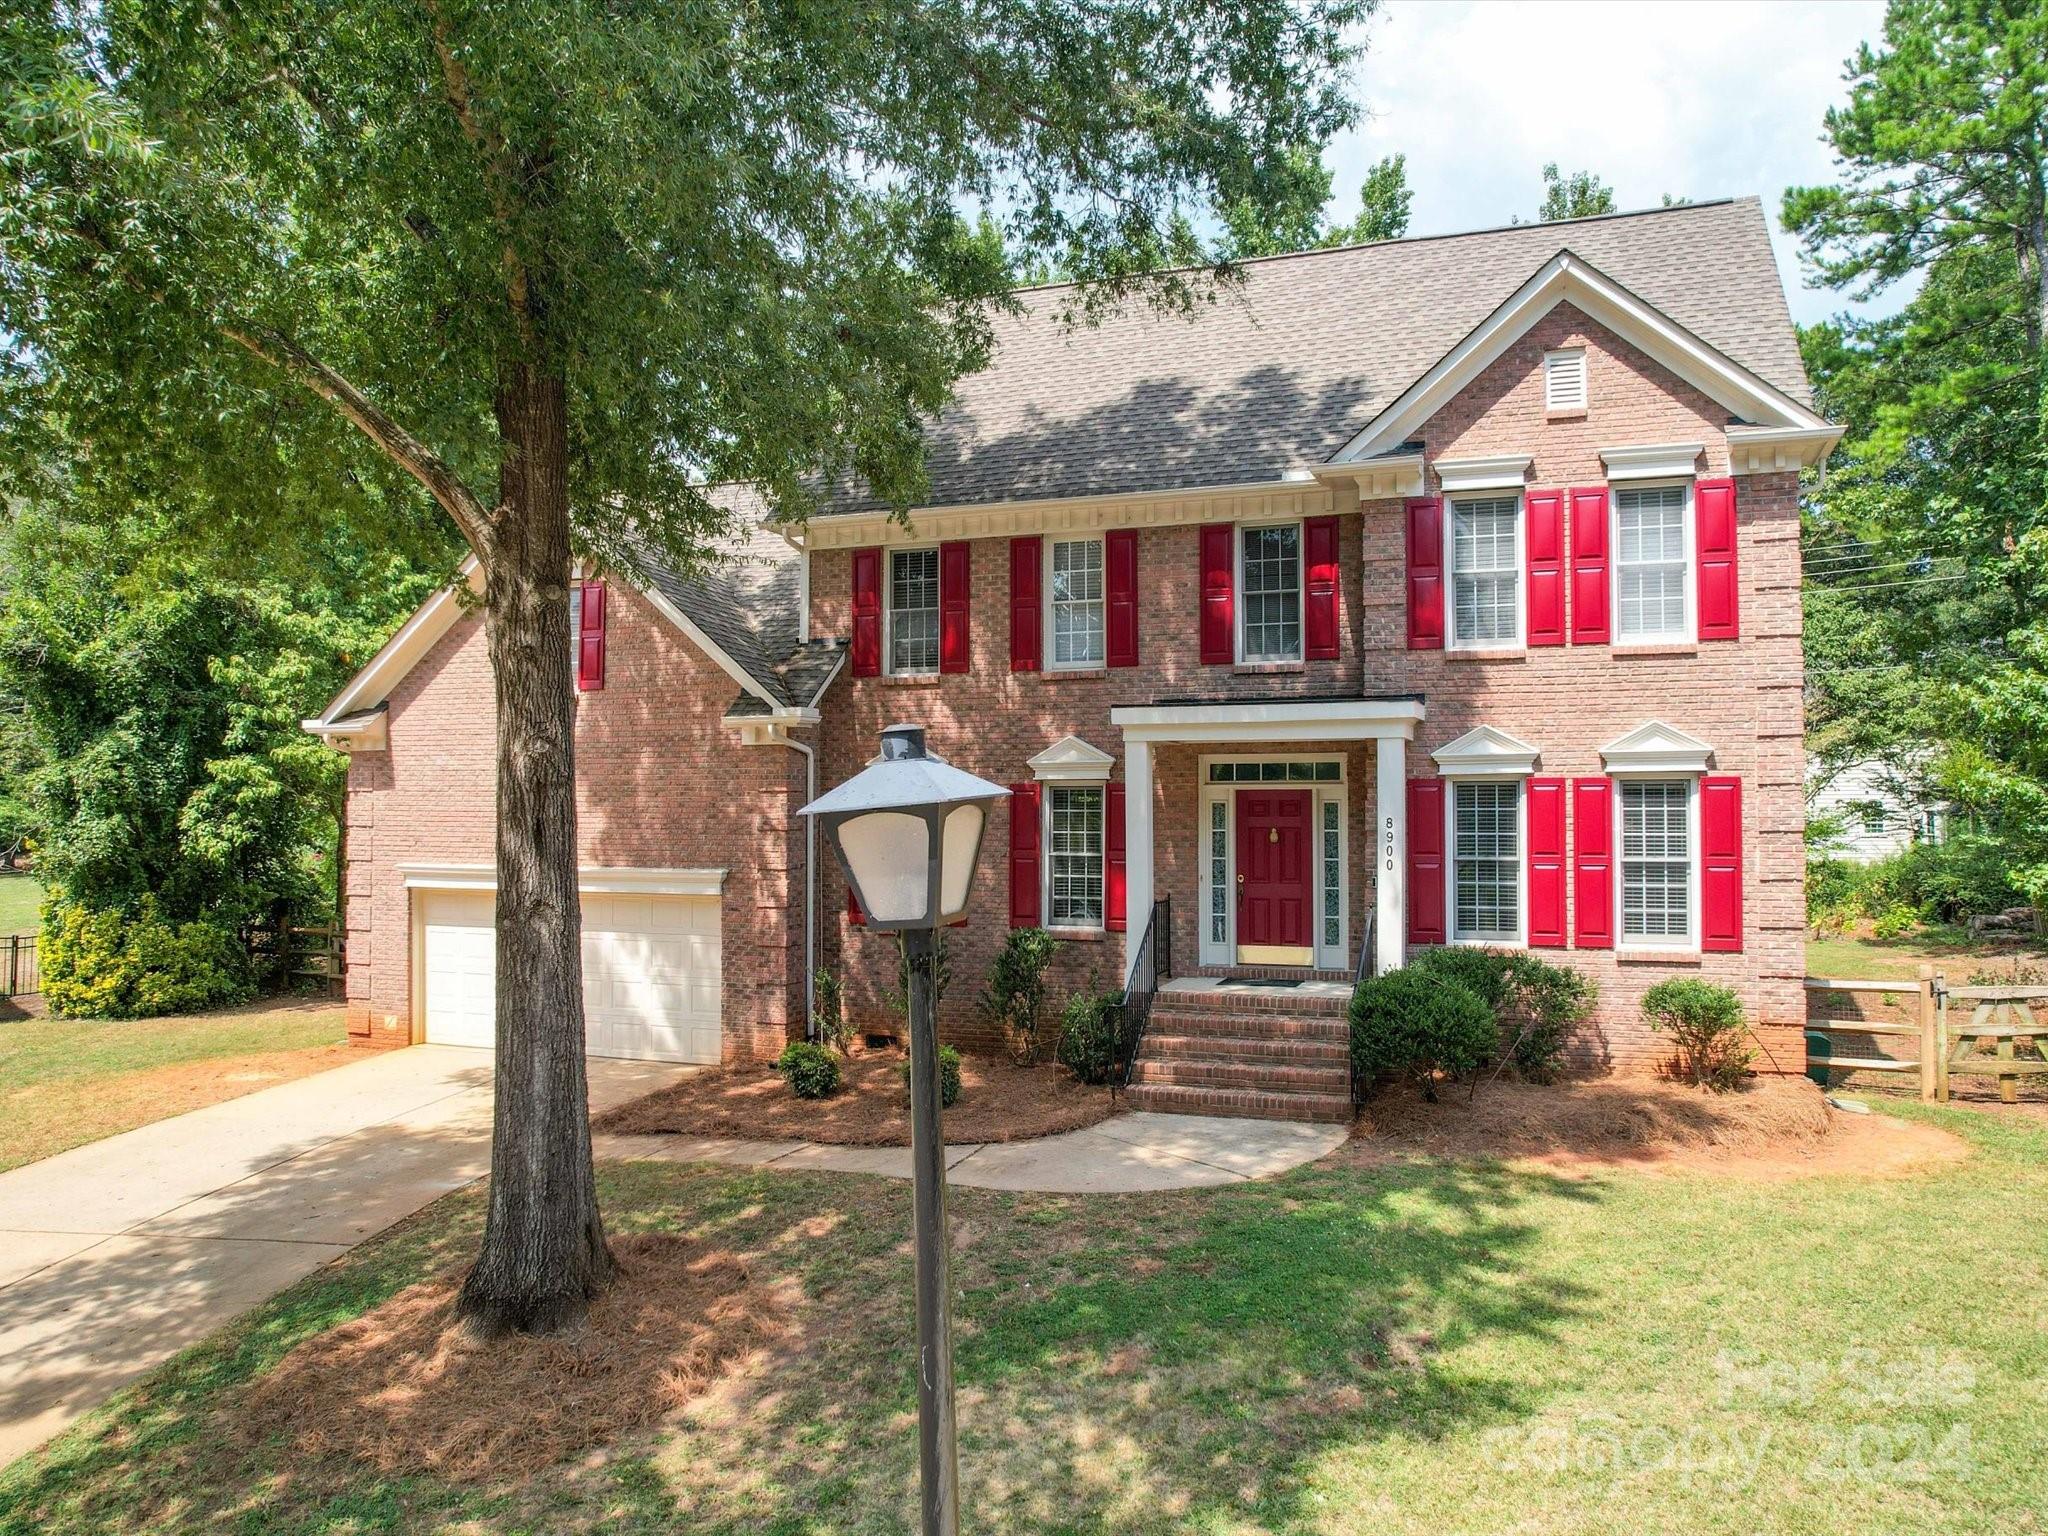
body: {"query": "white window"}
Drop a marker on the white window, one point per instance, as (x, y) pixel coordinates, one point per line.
(1076, 600)
(1486, 860)
(1652, 592)
(1564, 379)
(1269, 576)
(913, 611)
(1657, 862)
(1486, 572)
(1219, 874)
(575, 629)
(1074, 856)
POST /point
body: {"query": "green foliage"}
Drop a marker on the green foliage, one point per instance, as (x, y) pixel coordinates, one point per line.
(1090, 1028)
(1535, 1004)
(1704, 1020)
(813, 1071)
(1014, 996)
(102, 963)
(1577, 196)
(949, 1076)
(828, 1011)
(1410, 1023)
(1293, 218)
(1946, 882)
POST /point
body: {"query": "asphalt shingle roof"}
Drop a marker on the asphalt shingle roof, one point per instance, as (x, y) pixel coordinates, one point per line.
(1313, 346)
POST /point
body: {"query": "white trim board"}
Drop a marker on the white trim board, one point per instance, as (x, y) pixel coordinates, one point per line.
(590, 879)
(1567, 278)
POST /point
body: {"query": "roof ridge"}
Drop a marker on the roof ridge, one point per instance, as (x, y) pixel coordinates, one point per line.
(1455, 234)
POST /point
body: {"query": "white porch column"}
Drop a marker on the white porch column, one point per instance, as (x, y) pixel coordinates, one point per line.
(1390, 876)
(1137, 848)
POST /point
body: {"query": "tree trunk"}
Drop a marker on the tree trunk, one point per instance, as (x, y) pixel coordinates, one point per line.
(544, 1255)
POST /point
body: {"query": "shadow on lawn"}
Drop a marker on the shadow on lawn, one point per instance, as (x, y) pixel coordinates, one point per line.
(1139, 1362)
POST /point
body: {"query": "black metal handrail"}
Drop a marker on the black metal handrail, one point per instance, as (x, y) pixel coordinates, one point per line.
(1368, 965)
(1152, 964)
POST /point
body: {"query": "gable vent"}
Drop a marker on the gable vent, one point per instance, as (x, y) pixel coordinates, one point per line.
(1564, 380)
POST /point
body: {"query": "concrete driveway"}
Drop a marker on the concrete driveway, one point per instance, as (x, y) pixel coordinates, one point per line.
(115, 1256)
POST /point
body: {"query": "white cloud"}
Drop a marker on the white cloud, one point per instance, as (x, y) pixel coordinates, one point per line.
(1699, 100)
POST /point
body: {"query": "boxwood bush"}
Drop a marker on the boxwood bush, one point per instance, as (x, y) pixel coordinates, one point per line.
(107, 963)
(1535, 1004)
(1705, 1021)
(813, 1071)
(1412, 1023)
(949, 1076)
(1089, 1027)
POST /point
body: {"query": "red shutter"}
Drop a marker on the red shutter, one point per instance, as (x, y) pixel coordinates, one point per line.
(867, 613)
(1545, 541)
(590, 639)
(1024, 855)
(1113, 857)
(1426, 575)
(854, 915)
(1589, 565)
(1425, 861)
(1546, 863)
(1721, 864)
(1713, 512)
(1319, 587)
(1120, 589)
(1219, 588)
(956, 579)
(1027, 611)
(1593, 862)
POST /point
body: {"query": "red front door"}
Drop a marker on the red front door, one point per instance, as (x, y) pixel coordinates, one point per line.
(1273, 885)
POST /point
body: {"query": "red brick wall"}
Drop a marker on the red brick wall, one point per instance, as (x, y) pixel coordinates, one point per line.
(1742, 697)
(661, 784)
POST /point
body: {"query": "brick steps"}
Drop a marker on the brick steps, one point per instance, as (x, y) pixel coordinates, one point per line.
(1267, 1055)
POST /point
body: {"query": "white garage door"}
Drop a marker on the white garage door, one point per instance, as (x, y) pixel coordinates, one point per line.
(651, 981)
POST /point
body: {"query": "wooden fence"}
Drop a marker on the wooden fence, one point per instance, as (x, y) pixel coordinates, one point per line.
(1987, 1031)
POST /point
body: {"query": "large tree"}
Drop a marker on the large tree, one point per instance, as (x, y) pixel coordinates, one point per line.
(561, 264)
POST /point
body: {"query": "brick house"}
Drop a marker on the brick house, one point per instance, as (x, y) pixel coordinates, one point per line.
(1435, 591)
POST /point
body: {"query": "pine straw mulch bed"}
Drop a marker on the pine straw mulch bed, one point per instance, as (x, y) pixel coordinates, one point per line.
(999, 1101)
(407, 1390)
(1773, 1127)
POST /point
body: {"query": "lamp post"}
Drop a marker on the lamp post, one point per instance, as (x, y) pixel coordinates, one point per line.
(907, 830)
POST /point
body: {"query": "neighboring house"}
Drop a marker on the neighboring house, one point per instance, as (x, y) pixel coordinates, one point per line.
(1435, 591)
(1880, 810)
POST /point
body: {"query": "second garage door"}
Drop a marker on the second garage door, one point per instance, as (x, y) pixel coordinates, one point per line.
(652, 987)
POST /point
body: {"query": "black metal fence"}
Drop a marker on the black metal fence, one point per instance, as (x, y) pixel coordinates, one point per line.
(18, 963)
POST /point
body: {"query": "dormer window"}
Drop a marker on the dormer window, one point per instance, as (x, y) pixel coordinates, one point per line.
(1564, 379)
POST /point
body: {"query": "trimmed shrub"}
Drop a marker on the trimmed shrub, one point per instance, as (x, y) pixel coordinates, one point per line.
(813, 1071)
(1536, 1004)
(949, 1076)
(1090, 1026)
(1704, 1020)
(1014, 997)
(1410, 1023)
(110, 964)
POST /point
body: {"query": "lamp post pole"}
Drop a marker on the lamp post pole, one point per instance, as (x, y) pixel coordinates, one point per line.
(938, 1452)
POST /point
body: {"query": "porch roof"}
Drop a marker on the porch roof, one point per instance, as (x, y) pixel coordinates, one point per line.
(1293, 720)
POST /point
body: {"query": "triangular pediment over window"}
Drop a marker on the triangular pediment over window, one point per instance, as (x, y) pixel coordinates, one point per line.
(1484, 751)
(1655, 747)
(1072, 758)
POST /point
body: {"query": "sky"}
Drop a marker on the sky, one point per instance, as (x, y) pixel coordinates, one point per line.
(1701, 100)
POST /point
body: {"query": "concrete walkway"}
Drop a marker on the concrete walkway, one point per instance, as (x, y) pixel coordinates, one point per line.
(116, 1255)
(1124, 1154)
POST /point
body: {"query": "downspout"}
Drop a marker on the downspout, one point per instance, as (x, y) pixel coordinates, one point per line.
(810, 883)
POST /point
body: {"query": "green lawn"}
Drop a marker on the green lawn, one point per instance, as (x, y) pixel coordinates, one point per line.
(21, 899)
(1950, 950)
(1426, 1347)
(65, 1082)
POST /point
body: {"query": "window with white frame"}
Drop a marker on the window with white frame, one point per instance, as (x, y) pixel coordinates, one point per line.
(1270, 567)
(1486, 571)
(1656, 862)
(575, 628)
(1564, 379)
(1486, 859)
(1651, 590)
(1219, 873)
(1076, 598)
(1074, 856)
(913, 611)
